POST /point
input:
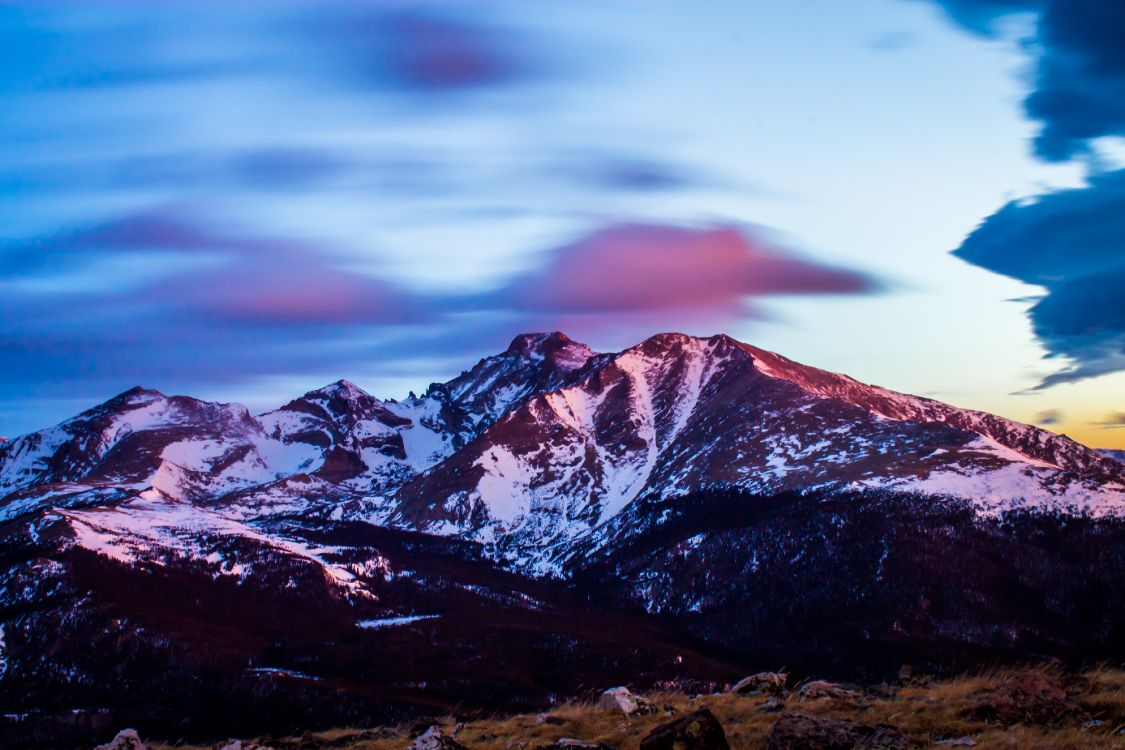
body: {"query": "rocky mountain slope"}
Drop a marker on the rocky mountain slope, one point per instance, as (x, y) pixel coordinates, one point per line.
(551, 518)
(677, 414)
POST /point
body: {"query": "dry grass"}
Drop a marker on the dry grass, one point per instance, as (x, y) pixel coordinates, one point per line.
(927, 712)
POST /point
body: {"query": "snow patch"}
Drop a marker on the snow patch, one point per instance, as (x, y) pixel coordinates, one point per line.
(390, 622)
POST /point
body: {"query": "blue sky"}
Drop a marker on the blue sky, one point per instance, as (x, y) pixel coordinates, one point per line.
(245, 201)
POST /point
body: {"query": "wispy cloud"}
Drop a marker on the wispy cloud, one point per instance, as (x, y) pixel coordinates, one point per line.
(1048, 417)
(166, 295)
(1113, 421)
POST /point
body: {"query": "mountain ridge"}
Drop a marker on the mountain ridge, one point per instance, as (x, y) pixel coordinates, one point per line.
(360, 445)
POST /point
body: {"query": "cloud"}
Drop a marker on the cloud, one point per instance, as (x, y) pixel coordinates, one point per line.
(219, 275)
(110, 48)
(162, 297)
(980, 16)
(421, 51)
(645, 268)
(1048, 417)
(1071, 243)
(605, 170)
(1078, 91)
(1113, 421)
(892, 41)
(166, 297)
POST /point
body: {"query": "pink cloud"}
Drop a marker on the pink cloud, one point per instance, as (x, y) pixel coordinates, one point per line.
(640, 268)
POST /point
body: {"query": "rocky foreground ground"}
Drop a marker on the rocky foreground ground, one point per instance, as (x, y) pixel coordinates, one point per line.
(1029, 708)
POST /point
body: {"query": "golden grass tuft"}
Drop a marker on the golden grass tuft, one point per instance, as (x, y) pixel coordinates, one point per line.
(927, 711)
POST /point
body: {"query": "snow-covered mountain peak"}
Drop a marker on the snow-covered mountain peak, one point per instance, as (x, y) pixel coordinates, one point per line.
(555, 345)
(533, 363)
(136, 394)
(674, 347)
(344, 389)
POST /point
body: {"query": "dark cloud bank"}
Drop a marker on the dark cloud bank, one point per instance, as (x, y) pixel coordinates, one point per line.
(1071, 242)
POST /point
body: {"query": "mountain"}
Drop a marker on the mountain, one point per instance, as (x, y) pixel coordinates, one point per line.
(549, 520)
(676, 414)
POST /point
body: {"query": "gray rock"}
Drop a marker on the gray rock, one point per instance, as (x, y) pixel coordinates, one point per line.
(434, 739)
(767, 683)
(622, 699)
(569, 743)
(548, 719)
(825, 689)
(126, 739)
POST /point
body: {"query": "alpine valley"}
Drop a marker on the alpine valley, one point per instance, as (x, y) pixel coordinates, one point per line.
(551, 521)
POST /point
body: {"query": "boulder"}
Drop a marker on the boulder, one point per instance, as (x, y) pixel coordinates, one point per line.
(548, 719)
(126, 739)
(229, 745)
(699, 730)
(569, 743)
(800, 732)
(1034, 697)
(620, 698)
(825, 689)
(764, 683)
(434, 739)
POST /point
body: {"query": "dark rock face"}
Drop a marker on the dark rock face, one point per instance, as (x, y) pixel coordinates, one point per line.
(699, 730)
(800, 732)
(339, 465)
(856, 585)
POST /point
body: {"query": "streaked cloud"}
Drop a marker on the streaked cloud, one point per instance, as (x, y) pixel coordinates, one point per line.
(1113, 420)
(635, 268)
(166, 294)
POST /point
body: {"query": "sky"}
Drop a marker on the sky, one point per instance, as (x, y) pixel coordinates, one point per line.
(244, 201)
